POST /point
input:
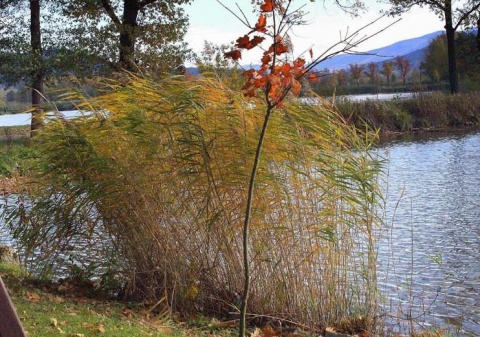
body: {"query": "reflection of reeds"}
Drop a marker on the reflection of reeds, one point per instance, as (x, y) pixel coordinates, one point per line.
(166, 174)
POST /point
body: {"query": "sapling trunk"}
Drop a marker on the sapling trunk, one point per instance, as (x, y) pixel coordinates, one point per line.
(251, 187)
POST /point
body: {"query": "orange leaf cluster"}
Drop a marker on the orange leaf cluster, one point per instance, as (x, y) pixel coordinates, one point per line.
(245, 42)
(261, 25)
(276, 80)
(268, 6)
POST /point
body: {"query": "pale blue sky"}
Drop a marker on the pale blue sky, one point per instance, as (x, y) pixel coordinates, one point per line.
(210, 21)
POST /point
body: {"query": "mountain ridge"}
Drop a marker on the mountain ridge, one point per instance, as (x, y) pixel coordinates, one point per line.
(413, 49)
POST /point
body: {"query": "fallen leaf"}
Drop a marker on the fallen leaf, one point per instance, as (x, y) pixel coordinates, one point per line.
(268, 331)
(127, 312)
(88, 326)
(32, 297)
(101, 329)
(53, 322)
(58, 299)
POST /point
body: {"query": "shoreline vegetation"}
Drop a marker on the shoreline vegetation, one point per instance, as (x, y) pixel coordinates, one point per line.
(433, 112)
(424, 113)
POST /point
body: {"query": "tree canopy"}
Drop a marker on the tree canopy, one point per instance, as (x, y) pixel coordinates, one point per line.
(128, 34)
(454, 14)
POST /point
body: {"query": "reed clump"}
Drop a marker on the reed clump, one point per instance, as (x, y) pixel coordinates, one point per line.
(156, 179)
(425, 110)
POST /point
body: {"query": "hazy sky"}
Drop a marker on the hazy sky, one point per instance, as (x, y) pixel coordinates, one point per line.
(210, 21)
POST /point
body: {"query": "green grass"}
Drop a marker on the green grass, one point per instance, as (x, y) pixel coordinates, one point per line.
(47, 311)
(15, 155)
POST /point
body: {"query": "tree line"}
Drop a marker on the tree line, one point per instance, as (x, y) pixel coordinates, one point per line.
(433, 67)
(42, 39)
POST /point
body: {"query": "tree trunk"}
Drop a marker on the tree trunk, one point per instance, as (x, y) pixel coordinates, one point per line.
(37, 73)
(478, 39)
(10, 325)
(128, 35)
(452, 60)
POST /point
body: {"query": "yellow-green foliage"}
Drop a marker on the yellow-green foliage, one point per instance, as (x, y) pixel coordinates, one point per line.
(162, 169)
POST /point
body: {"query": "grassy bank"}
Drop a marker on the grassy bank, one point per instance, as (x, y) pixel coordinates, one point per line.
(62, 309)
(54, 311)
(427, 111)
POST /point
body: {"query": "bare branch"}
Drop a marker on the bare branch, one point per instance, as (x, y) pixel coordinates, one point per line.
(349, 43)
(246, 23)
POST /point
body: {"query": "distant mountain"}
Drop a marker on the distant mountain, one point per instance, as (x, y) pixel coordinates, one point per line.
(411, 49)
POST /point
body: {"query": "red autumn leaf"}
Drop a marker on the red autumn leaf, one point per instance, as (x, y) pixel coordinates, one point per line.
(283, 69)
(261, 82)
(313, 78)
(261, 25)
(266, 59)
(299, 63)
(234, 54)
(256, 41)
(280, 48)
(287, 81)
(296, 86)
(277, 48)
(243, 42)
(311, 53)
(274, 81)
(248, 73)
(268, 6)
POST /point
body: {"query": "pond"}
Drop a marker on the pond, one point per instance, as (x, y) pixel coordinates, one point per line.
(429, 249)
(429, 252)
(25, 118)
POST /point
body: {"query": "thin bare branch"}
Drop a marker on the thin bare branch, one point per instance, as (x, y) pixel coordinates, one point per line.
(235, 15)
(349, 42)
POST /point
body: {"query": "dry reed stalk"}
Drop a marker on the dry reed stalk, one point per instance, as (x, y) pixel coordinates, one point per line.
(166, 176)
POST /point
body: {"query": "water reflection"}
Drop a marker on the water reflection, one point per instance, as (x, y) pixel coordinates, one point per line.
(429, 253)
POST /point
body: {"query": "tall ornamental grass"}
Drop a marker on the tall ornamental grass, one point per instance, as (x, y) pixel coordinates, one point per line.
(159, 173)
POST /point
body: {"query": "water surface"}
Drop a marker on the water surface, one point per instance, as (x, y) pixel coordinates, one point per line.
(429, 253)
